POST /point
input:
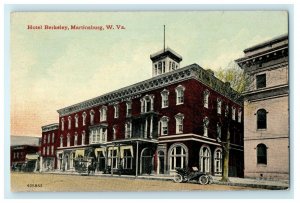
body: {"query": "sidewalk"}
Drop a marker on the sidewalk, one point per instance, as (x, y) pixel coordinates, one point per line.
(234, 181)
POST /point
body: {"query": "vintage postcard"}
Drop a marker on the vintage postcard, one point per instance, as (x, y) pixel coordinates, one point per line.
(149, 101)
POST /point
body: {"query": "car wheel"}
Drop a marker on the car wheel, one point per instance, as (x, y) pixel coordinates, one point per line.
(203, 180)
(178, 178)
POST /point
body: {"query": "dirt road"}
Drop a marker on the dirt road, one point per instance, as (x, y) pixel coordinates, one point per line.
(21, 182)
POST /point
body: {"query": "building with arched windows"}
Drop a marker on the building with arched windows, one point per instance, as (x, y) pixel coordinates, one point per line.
(266, 109)
(177, 118)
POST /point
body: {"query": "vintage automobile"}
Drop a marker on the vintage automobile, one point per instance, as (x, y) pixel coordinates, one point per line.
(185, 175)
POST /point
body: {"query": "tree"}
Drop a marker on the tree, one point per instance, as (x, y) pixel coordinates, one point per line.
(234, 75)
(238, 81)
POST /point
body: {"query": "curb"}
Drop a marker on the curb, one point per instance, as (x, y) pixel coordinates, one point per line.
(268, 187)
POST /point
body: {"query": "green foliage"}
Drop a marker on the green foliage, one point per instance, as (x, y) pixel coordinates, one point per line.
(233, 74)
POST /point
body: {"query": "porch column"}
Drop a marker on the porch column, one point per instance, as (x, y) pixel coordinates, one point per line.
(146, 128)
(151, 126)
(137, 159)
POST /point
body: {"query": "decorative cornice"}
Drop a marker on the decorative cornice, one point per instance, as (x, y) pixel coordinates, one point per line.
(50, 127)
(193, 71)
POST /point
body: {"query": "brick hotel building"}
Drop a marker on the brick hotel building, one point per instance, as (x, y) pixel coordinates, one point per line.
(177, 118)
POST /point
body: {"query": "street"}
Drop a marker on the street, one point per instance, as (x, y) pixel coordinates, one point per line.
(35, 182)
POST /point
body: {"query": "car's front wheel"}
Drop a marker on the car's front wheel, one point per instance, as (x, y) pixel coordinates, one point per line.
(203, 179)
(178, 178)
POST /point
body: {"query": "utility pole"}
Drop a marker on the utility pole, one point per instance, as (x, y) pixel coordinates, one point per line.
(226, 148)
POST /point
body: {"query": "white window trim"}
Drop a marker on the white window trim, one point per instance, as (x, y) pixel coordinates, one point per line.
(240, 115)
(164, 97)
(177, 90)
(103, 113)
(165, 120)
(128, 104)
(83, 118)
(206, 98)
(69, 122)
(219, 106)
(172, 164)
(116, 111)
(233, 113)
(92, 117)
(76, 121)
(62, 124)
(205, 126)
(61, 141)
(68, 140)
(83, 138)
(208, 157)
(218, 159)
(179, 117)
(75, 139)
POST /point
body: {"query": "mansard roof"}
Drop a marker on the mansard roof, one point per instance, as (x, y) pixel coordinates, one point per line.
(193, 71)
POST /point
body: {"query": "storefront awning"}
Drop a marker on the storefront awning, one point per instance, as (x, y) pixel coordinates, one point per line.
(101, 150)
(79, 152)
(122, 148)
(32, 156)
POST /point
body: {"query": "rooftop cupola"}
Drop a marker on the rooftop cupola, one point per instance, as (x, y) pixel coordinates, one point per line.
(165, 61)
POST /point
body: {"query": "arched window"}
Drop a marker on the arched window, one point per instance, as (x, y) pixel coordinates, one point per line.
(83, 138)
(92, 115)
(69, 122)
(205, 98)
(76, 121)
(219, 106)
(179, 123)
(205, 126)
(164, 125)
(114, 132)
(128, 108)
(83, 118)
(164, 98)
(261, 119)
(103, 113)
(178, 156)
(68, 140)
(233, 113)
(61, 141)
(261, 152)
(62, 124)
(75, 139)
(205, 157)
(218, 161)
(116, 113)
(147, 103)
(179, 94)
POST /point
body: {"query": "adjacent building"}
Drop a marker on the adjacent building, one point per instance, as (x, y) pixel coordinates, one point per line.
(266, 109)
(24, 153)
(49, 143)
(177, 118)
